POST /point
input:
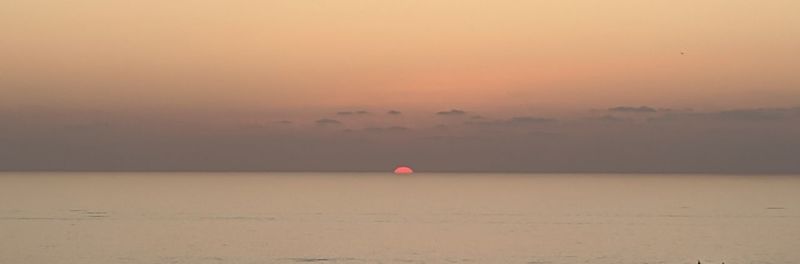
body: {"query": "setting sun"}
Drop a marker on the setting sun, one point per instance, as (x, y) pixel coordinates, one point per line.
(403, 170)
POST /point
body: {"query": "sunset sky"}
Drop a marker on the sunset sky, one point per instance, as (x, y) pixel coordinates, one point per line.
(616, 85)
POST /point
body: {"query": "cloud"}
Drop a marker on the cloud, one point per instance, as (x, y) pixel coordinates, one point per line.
(672, 117)
(608, 119)
(452, 112)
(394, 112)
(734, 140)
(758, 114)
(327, 121)
(349, 113)
(538, 133)
(385, 129)
(527, 120)
(633, 109)
(263, 125)
(738, 115)
(514, 121)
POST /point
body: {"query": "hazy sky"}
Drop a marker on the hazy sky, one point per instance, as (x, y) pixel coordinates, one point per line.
(473, 85)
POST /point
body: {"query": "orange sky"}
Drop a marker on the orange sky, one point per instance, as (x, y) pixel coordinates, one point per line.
(535, 86)
(486, 55)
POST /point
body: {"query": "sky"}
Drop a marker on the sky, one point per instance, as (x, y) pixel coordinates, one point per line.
(522, 86)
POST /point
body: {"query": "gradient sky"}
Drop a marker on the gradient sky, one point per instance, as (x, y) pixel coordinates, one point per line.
(277, 85)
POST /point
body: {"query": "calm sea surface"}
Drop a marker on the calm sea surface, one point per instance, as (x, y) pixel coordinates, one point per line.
(383, 218)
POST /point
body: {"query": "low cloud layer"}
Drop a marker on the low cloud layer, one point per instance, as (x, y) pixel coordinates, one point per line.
(752, 140)
(327, 121)
(759, 114)
(632, 109)
(350, 113)
(452, 112)
(514, 121)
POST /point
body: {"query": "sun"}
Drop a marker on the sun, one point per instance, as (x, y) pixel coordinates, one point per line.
(403, 170)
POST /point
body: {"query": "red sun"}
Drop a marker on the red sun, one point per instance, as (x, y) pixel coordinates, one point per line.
(403, 170)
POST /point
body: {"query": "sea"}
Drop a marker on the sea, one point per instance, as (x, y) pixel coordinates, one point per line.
(192, 217)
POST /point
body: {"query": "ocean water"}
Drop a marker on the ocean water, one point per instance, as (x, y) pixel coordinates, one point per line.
(384, 218)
